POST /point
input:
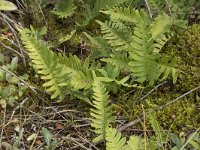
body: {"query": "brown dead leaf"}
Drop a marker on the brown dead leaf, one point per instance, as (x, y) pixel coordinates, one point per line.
(38, 142)
(58, 126)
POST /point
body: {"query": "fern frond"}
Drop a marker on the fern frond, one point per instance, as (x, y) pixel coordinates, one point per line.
(94, 8)
(114, 140)
(120, 61)
(147, 41)
(118, 14)
(45, 62)
(66, 37)
(141, 50)
(98, 42)
(65, 8)
(166, 68)
(135, 143)
(145, 68)
(78, 72)
(160, 42)
(160, 136)
(161, 25)
(117, 34)
(101, 114)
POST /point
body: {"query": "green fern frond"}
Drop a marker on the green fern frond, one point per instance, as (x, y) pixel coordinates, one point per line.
(120, 61)
(98, 42)
(147, 41)
(114, 140)
(166, 68)
(45, 62)
(123, 14)
(140, 49)
(65, 8)
(101, 114)
(78, 72)
(160, 42)
(145, 68)
(135, 143)
(93, 9)
(117, 34)
(161, 25)
(159, 133)
(66, 37)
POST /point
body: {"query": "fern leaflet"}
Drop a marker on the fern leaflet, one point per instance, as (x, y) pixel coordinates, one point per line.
(101, 114)
(65, 8)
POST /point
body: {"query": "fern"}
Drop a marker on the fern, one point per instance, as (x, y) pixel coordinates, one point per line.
(120, 61)
(123, 14)
(79, 72)
(159, 134)
(158, 31)
(116, 33)
(65, 8)
(141, 46)
(135, 143)
(101, 114)
(95, 7)
(45, 62)
(98, 42)
(168, 67)
(62, 74)
(115, 141)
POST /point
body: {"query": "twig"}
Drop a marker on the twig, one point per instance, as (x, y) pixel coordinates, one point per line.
(13, 74)
(175, 100)
(75, 141)
(129, 124)
(3, 126)
(170, 12)
(5, 18)
(16, 108)
(151, 91)
(144, 127)
(148, 8)
(7, 47)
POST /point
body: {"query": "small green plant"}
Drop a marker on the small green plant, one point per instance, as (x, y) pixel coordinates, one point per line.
(12, 88)
(51, 145)
(192, 142)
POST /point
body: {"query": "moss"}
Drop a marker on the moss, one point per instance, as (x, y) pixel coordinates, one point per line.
(182, 115)
(185, 46)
